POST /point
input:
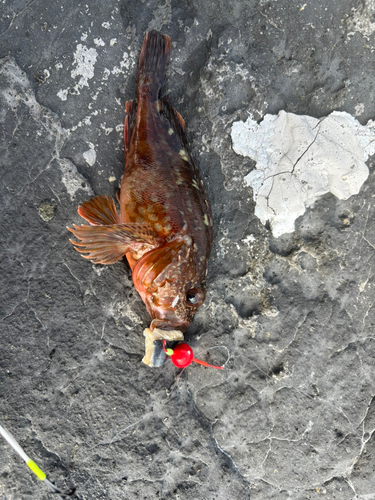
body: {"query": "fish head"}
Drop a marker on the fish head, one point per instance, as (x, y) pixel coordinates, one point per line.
(173, 306)
(171, 282)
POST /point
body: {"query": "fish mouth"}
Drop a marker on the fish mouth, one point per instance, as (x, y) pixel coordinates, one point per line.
(169, 324)
(167, 318)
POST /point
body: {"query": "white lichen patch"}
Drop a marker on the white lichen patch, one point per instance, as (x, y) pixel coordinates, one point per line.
(72, 179)
(362, 17)
(107, 130)
(99, 42)
(106, 73)
(359, 109)
(126, 63)
(249, 240)
(85, 60)
(62, 94)
(90, 155)
(299, 159)
(162, 16)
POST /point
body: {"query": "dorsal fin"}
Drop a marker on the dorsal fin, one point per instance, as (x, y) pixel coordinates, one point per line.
(131, 113)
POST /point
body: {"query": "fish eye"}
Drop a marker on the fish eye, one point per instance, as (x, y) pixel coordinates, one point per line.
(191, 298)
(195, 296)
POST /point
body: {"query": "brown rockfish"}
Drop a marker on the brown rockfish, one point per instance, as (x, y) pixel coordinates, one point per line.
(164, 225)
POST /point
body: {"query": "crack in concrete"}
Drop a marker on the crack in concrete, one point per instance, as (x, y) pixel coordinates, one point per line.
(71, 272)
(22, 91)
(211, 424)
(291, 172)
(115, 438)
(15, 16)
(285, 155)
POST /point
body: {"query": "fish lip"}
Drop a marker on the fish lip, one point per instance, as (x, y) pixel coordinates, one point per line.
(167, 324)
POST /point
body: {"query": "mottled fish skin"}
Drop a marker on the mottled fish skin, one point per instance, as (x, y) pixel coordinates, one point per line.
(162, 195)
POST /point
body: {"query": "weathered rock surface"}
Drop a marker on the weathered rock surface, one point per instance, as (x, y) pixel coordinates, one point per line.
(292, 416)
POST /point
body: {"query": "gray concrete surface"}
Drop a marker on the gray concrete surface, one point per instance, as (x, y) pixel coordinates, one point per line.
(292, 415)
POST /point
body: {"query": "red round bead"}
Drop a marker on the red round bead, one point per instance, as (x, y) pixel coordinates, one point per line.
(182, 355)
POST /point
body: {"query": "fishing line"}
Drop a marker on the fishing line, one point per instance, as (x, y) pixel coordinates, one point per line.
(218, 347)
(182, 356)
(32, 465)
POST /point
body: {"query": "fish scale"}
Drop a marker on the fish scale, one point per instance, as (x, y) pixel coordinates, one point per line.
(164, 227)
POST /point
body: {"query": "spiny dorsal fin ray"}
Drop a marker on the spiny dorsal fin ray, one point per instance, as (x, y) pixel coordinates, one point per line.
(131, 113)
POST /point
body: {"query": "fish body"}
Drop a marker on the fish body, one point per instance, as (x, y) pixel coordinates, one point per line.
(164, 226)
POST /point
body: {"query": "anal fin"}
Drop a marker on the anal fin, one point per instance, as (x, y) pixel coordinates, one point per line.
(108, 244)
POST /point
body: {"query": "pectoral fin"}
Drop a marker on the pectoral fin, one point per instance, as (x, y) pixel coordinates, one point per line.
(99, 211)
(108, 244)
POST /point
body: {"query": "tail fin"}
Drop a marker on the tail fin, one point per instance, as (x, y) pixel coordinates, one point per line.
(153, 62)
